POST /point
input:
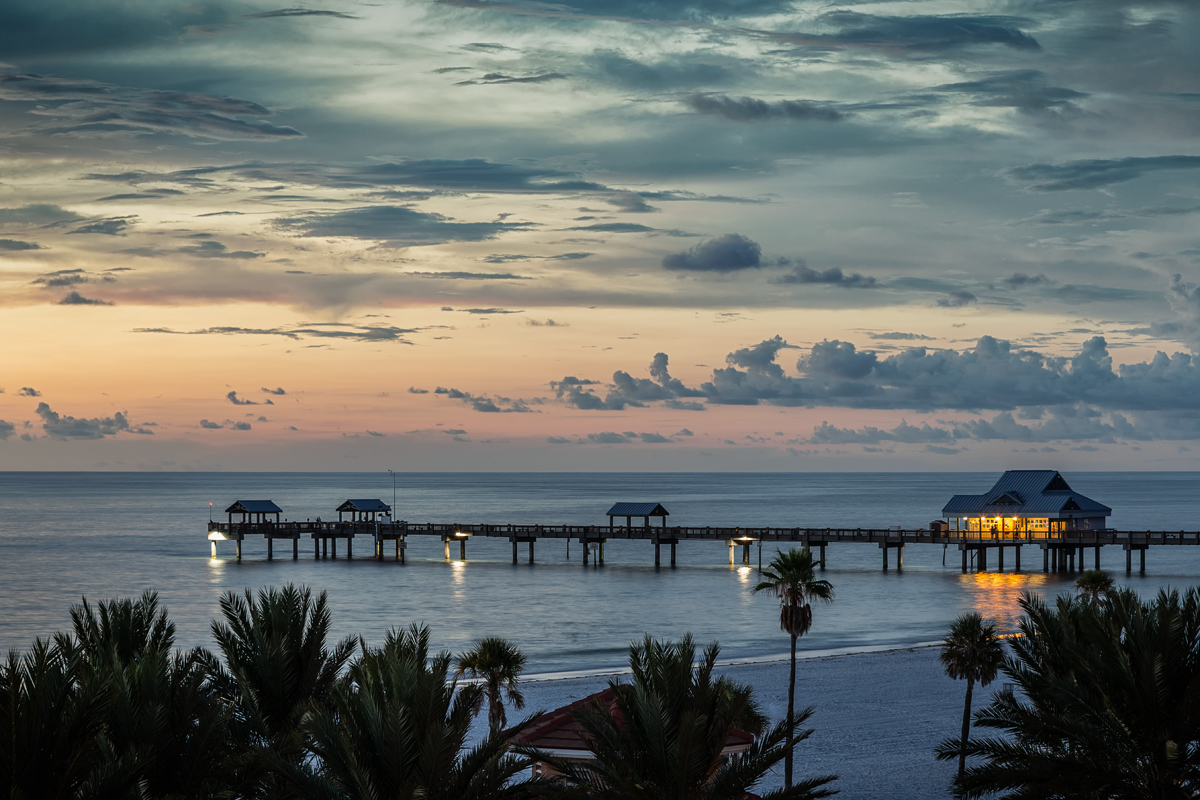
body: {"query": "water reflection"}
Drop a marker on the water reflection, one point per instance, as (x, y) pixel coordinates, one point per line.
(997, 595)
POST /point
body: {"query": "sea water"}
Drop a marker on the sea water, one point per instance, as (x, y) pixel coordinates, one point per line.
(64, 536)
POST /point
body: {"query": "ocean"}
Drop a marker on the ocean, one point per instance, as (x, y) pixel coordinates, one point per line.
(98, 535)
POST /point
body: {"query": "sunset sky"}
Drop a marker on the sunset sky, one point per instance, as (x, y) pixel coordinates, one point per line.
(599, 235)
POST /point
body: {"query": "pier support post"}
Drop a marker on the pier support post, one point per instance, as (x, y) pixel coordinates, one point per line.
(1071, 560)
(462, 550)
(1000, 558)
(883, 547)
(657, 555)
(746, 554)
(1128, 560)
(1017, 558)
(672, 552)
(447, 548)
(1045, 559)
(270, 549)
(822, 555)
(213, 549)
(332, 547)
(239, 548)
(350, 548)
(316, 548)
(1142, 556)
(1097, 561)
(600, 552)
(531, 551)
(514, 544)
(731, 548)
(401, 547)
(900, 556)
(1054, 559)
(964, 560)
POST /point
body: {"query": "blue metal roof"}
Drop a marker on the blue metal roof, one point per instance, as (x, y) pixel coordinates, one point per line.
(254, 507)
(1024, 493)
(364, 505)
(637, 510)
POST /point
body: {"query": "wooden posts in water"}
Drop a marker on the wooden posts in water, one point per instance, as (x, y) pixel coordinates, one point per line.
(1141, 548)
(898, 547)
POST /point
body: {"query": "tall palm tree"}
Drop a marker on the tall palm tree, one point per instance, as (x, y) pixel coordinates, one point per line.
(661, 736)
(1095, 584)
(398, 727)
(971, 650)
(1108, 703)
(277, 668)
(790, 577)
(497, 664)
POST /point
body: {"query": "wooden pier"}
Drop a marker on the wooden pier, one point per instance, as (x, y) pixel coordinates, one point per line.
(1062, 551)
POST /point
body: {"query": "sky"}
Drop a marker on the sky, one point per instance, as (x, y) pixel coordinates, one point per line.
(599, 235)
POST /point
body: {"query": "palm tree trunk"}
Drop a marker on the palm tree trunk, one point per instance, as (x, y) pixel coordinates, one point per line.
(791, 731)
(966, 729)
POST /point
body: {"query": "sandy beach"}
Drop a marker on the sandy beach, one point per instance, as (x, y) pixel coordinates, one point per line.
(878, 716)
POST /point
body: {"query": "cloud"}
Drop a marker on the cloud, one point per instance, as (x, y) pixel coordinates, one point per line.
(6, 429)
(833, 277)
(415, 390)
(499, 77)
(486, 311)
(395, 226)
(615, 227)
(299, 12)
(729, 253)
(900, 336)
(210, 425)
(957, 299)
(82, 107)
(533, 323)
(503, 259)
(70, 277)
(37, 214)
(626, 390)
(239, 401)
(485, 404)
(76, 299)
(16, 245)
(750, 109)
(634, 10)
(315, 330)
(470, 276)
(214, 249)
(240, 426)
(1095, 173)
(669, 72)
(915, 35)
(28, 391)
(376, 433)
(1019, 280)
(58, 426)
(112, 226)
(1026, 90)
(278, 391)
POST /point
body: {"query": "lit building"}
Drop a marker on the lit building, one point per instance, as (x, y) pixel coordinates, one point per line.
(1026, 504)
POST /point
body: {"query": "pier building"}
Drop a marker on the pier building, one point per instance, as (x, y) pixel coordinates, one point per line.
(1026, 504)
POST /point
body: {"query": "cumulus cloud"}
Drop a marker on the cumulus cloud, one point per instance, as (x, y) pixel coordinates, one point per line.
(28, 391)
(486, 404)
(239, 401)
(76, 299)
(729, 253)
(957, 299)
(626, 390)
(1019, 280)
(317, 330)
(6, 429)
(279, 391)
(58, 426)
(1026, 90)
(15, 245)
(917, 34)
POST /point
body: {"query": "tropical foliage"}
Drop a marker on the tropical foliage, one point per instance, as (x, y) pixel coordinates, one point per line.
(661, 736)
(791, 578)
(497, 664)
(1106, 703)
(971, 651)
(1094, 584)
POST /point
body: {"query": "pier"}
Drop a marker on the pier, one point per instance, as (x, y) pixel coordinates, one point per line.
(1061, 550)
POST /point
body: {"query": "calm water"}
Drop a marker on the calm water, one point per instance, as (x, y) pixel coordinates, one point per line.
(67, 535)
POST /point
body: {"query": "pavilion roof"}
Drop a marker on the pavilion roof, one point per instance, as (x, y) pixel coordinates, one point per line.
(1026, 492)
(364, 505)
(638, 510)
(254, 507)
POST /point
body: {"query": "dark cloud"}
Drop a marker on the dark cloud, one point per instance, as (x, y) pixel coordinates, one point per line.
(155, 195)
(239, 401)
(82, 107)
(300, 12)
(112, 226)
(1095, 173)
(535, 323)
(277, 392)
(499, 77)
(916, 35)
(905, 433)
(648, 10)
(63, 277)
(486, 404)
(901, 336)
(1025, 90)
(957, 299)
(802, 273)
(214, 249)
(628, 391)
(376, 434)
(28, 391)
(37, 214)
(14, 244)
(672, 72)
(58, 426)
(323, 330)
(76, 299)
(1020, 280)
(750, 109)
(6, 429)
(729, 253)
(210, 425)
(505, 258)
(415, 390)
(395, 226)
(615, 227)
(482, 311)
(240, 426)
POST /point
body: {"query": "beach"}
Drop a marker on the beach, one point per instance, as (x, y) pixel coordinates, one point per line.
(877, 717)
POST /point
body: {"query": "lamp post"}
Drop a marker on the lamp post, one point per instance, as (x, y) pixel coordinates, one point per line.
(392, 472)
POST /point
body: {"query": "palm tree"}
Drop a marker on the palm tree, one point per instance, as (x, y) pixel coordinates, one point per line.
(661, 736)
(1108, 703)
(1095, 584)
(498, 665)
(277, 668)
(398, 727)
(791, 578)
(971, 650)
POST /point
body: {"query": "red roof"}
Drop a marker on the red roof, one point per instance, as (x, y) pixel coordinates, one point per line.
(558, 731)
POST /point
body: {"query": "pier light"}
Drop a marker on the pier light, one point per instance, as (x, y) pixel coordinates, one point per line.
(217, 536)
(461, 534)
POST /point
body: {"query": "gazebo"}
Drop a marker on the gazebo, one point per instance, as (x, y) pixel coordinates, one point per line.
(643, 510)
(363, 510)
(254, 511)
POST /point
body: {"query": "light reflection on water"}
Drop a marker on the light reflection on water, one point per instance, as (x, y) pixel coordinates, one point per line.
(102, 535)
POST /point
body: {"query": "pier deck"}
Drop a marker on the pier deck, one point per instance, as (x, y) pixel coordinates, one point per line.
(1058, 551)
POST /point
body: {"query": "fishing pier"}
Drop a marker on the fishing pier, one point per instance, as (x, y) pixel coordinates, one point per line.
(979, 550)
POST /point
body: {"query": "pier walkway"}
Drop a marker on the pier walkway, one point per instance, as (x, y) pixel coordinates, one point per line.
(1061, 551)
